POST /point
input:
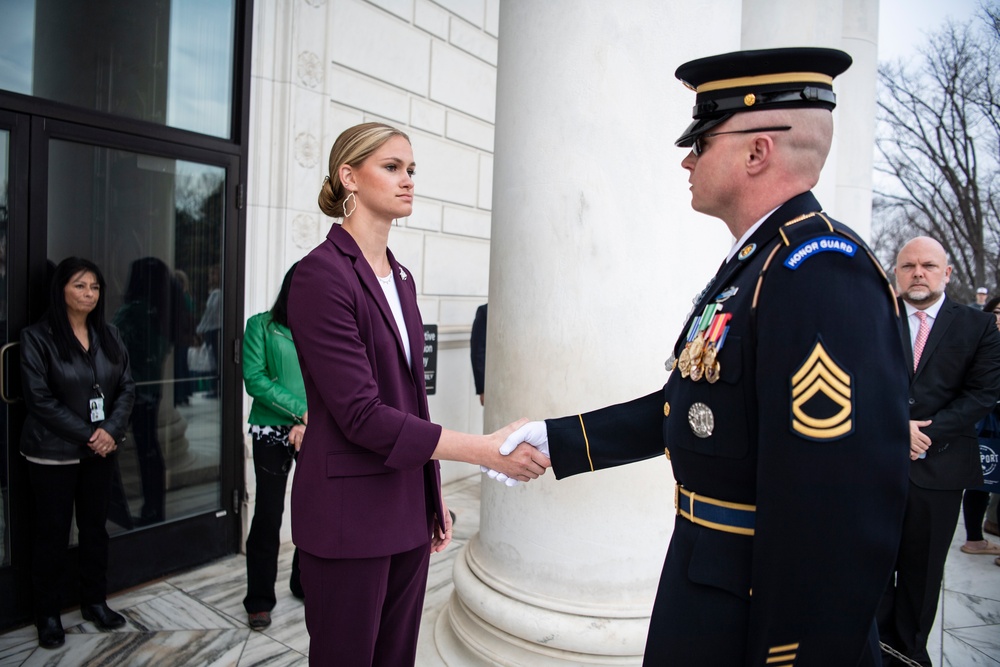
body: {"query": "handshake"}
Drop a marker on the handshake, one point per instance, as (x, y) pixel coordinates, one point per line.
(526, 448)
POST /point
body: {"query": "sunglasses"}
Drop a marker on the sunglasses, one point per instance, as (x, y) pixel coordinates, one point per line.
(698, 147)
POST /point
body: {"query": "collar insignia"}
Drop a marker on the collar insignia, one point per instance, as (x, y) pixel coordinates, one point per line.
(746, 251)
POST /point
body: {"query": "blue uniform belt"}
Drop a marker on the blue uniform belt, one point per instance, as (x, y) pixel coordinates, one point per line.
(716, 514)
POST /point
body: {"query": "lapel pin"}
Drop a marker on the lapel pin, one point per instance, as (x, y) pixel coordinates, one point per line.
(402, 274)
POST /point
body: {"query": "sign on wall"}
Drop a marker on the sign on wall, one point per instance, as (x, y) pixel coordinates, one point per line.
(430, 357)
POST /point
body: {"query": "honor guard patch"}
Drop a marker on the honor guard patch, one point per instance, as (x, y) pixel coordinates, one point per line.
(816, 246)
(822, 398)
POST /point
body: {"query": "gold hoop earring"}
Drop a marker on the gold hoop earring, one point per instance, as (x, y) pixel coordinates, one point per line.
(347, 213)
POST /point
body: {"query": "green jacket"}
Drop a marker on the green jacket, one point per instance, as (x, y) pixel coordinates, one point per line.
(271, 373)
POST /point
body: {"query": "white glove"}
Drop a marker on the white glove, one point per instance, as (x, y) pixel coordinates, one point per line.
(499, 476)
(533, 433)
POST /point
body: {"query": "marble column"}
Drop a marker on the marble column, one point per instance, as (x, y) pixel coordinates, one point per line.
(595, 257)
(845, 189)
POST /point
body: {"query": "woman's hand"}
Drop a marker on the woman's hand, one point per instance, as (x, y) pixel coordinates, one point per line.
(101, 442)
(440, 540)
(296, 435)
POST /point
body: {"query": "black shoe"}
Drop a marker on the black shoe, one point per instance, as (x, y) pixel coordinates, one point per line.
(102, 616)
(259, 620)
(50, 632)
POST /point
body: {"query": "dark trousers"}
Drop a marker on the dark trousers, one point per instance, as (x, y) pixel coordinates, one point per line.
(365, 612)
(271, 464)
(974, 504)
(54, 490)
(906, 612)
(152, 469)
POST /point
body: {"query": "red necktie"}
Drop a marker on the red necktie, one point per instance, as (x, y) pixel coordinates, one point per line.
(922, 333)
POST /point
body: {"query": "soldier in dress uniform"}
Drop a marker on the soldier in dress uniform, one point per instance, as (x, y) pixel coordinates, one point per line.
(785, 412)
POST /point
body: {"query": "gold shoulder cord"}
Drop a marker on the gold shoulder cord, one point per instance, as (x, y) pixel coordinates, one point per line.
(586, 443)
(760, 276)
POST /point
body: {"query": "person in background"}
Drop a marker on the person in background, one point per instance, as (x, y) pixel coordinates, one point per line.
(982, 294)
(210, 327)
(477, 344)
(272, 378)
(146, 322)
(976, 501)
(78, 393)
(953, 359)
(183, 337)
(367, 509)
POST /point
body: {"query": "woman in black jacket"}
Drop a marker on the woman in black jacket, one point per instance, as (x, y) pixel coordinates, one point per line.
(78, 392)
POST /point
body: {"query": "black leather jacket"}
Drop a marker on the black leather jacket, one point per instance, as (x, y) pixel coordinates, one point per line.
(57, 395)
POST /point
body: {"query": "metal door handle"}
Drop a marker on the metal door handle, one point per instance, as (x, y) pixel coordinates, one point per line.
(3, 373)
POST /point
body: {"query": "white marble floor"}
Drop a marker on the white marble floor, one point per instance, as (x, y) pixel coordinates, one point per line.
(196, 618)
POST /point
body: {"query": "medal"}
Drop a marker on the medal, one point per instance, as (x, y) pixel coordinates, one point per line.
(712, 374)
(684, 363)
(699, 358)
(701, 420)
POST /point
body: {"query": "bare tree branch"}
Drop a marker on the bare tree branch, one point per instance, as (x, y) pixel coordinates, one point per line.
(938, 151)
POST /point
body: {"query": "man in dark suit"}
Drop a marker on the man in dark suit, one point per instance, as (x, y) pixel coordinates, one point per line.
(953, 354)
(784, 415)
(478, 352)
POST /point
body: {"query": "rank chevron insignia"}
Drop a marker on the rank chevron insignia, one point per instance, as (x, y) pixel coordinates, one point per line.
(822, 402)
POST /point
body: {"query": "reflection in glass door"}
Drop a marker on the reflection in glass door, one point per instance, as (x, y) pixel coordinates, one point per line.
(155, 227)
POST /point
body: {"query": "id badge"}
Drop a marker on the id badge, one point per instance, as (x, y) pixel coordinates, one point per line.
(96, 410)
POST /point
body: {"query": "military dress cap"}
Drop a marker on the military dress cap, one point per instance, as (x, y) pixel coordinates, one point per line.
(764, 79)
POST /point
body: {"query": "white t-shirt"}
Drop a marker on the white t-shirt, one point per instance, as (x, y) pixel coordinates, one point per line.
(392, 296)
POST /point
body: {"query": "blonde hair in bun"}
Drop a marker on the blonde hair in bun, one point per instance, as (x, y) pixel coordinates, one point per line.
(351, 148)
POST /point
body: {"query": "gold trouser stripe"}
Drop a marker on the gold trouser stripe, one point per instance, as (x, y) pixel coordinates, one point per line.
(586, 442)
(765, 80)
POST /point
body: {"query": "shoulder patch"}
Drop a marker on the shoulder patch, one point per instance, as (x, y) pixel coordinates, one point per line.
(822, 400)
(815, 246)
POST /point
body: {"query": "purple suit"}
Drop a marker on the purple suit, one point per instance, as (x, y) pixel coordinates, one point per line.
(365, 486)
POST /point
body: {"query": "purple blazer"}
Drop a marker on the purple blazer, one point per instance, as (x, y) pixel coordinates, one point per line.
(365, 484)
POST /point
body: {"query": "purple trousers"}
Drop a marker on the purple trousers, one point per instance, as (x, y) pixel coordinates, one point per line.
(364, 612)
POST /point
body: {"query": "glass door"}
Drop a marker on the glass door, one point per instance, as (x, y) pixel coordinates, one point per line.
(155, 226)
(159, 219)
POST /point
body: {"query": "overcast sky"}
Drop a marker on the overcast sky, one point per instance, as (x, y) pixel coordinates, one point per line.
(903, 24)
